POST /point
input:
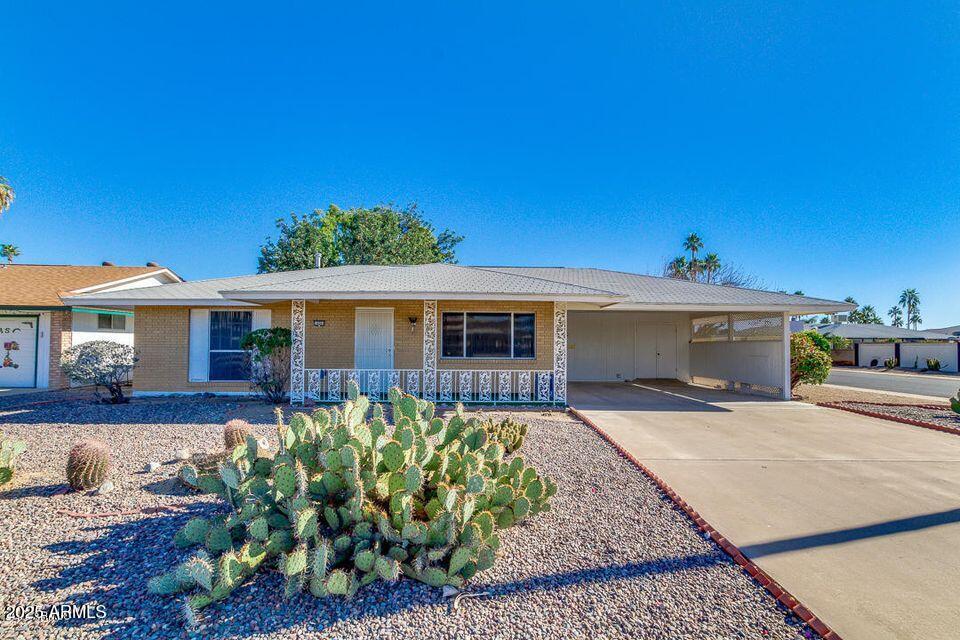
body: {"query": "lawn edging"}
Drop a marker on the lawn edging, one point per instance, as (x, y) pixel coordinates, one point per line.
(886, 416)
(774, 588)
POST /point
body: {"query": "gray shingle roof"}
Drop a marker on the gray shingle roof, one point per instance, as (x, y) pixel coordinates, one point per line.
(447, 281)
(856, 331)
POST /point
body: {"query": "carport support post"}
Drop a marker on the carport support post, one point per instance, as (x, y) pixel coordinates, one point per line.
(560, 352)
(297, 329)
(787, 391)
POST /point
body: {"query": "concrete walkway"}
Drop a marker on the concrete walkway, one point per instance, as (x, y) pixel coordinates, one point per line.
(857, 517)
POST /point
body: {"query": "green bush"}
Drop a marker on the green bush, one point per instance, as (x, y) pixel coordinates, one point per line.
(809, 361)
(955, 402)
(933, 364)
(839, 343)
(819, 340)
(268, 359)
(346, 501)
(890, 363)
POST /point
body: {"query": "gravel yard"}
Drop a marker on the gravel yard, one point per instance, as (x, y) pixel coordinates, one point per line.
(944, 417)
(815, 394)
(613, 559)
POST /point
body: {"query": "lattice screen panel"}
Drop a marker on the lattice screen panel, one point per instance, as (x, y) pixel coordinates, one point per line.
(710, 329)
(757, 326)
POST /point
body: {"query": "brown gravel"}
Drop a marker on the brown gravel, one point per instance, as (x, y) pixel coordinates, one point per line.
(815, 394)
(943, 417)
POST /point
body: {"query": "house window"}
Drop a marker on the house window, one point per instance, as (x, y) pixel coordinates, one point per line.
(111, 322)
(487, 335)
(227, 359)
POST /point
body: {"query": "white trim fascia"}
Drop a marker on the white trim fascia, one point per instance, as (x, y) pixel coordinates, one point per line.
(419, 295)
(140, 276)
(154, 302)
(727, 308)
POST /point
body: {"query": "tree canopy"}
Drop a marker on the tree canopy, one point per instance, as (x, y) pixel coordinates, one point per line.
(381, 235)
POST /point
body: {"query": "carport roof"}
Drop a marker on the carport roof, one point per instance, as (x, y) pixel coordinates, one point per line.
(598, 287)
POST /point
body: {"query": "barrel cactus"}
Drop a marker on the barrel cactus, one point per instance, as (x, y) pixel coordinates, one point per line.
(88, 464)
(10, 450)
(348, 499)
(508, 432)
(235, 432)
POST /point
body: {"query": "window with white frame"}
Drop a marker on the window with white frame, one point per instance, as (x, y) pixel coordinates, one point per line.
(227, 359)
(111, 322)
(487, 335)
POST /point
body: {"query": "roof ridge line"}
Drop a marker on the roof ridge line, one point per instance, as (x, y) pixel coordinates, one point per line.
(383, 267)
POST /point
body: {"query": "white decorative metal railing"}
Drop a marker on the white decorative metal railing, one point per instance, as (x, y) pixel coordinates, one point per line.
(452, 385)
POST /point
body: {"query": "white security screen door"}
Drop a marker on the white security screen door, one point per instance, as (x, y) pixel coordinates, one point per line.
(18, 351)
(373, 345)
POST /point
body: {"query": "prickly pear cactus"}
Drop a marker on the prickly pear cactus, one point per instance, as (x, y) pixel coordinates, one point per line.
(10, 450)
(88, 464)
(235, 432)
(348, 499)
(508, 432)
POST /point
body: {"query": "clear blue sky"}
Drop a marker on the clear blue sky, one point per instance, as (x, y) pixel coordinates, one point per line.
(814, 144)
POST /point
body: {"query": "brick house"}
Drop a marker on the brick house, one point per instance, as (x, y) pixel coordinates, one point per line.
(450, 332)
(36, 325)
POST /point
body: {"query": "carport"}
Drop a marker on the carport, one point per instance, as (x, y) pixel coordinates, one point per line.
(746, 351)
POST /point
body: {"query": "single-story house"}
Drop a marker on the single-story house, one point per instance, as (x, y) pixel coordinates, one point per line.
(953, 331)
(36, 325)
(874, 344)
(449, 332)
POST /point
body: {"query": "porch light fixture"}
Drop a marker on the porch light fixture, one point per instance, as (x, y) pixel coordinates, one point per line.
(413, 323)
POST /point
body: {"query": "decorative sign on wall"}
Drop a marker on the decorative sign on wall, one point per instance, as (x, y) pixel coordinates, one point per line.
(7, 359)
(319, 323)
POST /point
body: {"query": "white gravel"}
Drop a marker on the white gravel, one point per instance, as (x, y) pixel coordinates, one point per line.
(613, 559)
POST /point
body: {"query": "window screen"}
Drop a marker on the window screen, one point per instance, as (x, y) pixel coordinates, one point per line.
(227, 329)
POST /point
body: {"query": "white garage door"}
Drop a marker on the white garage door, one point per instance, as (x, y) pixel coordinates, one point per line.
(619, 346)
(18, 350)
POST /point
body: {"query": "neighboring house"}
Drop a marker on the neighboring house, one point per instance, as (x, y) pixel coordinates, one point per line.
(953, 331)
(451, 332)
(873, 344)
(36, 325)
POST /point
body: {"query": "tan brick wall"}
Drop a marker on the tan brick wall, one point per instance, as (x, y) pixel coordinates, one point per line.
(162, 340)
(61, 339)
(543, 333)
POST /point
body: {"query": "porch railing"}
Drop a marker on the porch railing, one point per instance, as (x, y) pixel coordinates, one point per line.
(452, 385)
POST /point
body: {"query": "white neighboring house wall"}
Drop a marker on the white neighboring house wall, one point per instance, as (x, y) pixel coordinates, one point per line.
(915, 354)
(879, 351)
(86, 328)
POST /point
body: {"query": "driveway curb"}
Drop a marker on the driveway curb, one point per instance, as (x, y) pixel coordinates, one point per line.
(886, 416)
(774, 588)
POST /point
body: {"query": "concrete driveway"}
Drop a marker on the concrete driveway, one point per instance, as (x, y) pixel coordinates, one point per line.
(857, 517)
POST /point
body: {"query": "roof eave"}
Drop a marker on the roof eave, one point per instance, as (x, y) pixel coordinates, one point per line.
(792, 309)
(155, 302)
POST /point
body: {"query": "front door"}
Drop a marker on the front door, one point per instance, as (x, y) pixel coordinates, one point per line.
(373, 345)
(18, 341)
(666, 351)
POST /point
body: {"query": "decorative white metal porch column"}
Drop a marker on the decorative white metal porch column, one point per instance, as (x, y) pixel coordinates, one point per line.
(297, 329)
(560, 352)
(430, 349)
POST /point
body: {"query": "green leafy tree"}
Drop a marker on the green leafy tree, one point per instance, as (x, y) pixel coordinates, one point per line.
(6, 194)
(910, 301)
(809, 362)
(381, 235)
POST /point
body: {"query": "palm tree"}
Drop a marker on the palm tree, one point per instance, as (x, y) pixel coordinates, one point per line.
(711, 264)
(9, 252)
(678, 268)
(910, 301)
(693, 243)
(896, 316)
(6, 194)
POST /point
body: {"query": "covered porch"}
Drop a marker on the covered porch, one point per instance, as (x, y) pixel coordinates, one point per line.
(380, 344)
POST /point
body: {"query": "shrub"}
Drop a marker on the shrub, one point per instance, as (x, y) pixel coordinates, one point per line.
(268, 354)
(933, 364)
(890, 363)
(839, 343)
(819, 340)
(88, 464)
(101, 363)
(10, 450)
(346, 501)
(955, 402)
(809, 362)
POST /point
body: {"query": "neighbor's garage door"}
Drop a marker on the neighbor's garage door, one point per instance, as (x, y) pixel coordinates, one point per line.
(614, 345)
(18, 340)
